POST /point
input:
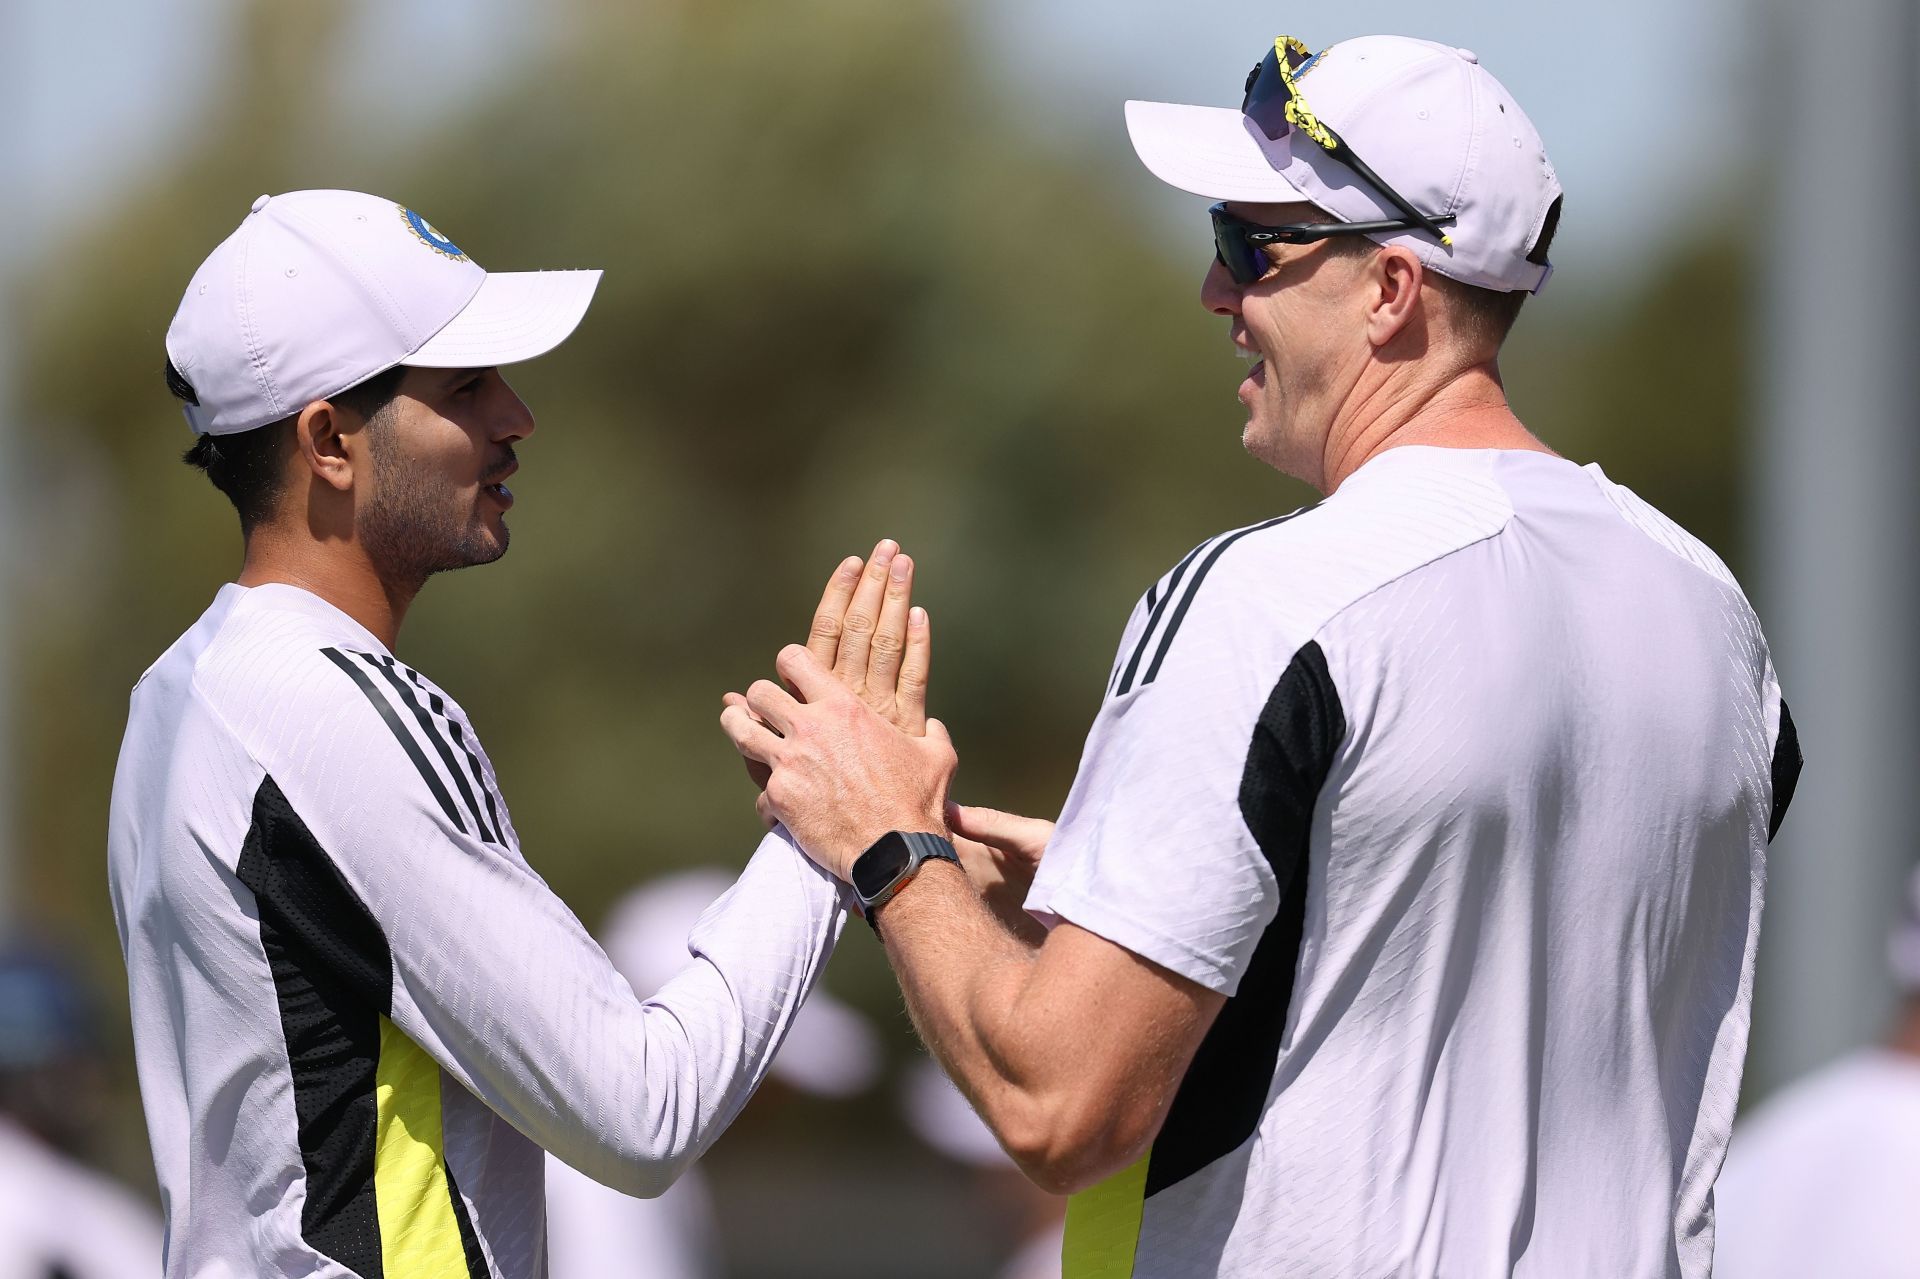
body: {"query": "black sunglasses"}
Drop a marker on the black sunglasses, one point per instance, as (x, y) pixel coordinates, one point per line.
(1274, 105)
(1237, 242)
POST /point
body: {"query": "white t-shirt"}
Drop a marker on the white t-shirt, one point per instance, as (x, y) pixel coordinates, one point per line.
(1459, 784)
(58, 1217)
(358, 1012)
(1825, 1178)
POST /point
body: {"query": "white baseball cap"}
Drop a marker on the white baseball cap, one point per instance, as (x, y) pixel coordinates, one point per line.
(320, 290)
(1426, 117)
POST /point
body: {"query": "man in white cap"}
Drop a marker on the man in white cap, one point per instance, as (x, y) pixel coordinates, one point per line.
(1824, 1178)
(359, 1014)
(1401, 918)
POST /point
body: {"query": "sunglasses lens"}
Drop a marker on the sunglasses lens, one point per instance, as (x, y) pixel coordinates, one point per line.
(1244, 262)
(1267, 98)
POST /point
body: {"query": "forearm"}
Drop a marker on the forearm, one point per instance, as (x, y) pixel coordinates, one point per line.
(757, 953)
(1003, 889)
(632, 1091)
(971, 989)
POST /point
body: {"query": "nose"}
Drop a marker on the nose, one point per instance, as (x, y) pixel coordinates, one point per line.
(512, 419)
(1218, 291)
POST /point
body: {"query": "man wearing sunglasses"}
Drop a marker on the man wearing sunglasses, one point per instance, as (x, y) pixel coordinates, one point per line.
(1401, 918)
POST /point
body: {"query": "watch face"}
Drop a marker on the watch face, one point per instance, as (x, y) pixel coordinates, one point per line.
(880, 865)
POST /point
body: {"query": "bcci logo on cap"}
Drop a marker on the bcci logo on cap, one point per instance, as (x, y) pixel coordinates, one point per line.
(424, 232)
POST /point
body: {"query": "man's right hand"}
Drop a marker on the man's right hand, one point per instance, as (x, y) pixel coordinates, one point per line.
(865, 630)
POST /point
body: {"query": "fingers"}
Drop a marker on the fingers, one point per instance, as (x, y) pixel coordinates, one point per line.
(757, 773)
(863, 614)
(815, 682)
(890, 634)
(823, 637)
(772, 705)
(1024, 836)
(750, 737)
(910, 689)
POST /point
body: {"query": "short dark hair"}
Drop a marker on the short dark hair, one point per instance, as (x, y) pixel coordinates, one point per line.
(250, 466)
(1487, 315)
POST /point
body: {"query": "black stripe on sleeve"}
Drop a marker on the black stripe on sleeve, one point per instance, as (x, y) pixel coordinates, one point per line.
(1787, 762)
(1153, 617)
(469, 1241)
(1193, 588)
(1153, 599)
(430, 725)
(333, 975)
(399, 728)
(1221, 1099)
(473, 761)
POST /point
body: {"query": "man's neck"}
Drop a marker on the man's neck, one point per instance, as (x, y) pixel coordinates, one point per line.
(1468, 410)
(342, 577)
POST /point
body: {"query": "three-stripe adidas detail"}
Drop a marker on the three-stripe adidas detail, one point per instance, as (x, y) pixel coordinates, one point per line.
(477, 812)
(1171, 608)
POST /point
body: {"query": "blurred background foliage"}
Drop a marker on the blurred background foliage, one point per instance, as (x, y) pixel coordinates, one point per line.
(848, 294)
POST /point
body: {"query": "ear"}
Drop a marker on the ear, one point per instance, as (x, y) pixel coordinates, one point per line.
(320, 436)
(1395, 279)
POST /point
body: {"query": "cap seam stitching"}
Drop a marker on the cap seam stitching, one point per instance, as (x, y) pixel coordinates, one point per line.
(1468, 161)
(382, 300)
(256, 353)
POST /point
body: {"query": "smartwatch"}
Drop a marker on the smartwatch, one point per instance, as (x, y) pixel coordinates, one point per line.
(896, 857)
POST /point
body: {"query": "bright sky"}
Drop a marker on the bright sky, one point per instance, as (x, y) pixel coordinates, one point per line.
(1639, 127)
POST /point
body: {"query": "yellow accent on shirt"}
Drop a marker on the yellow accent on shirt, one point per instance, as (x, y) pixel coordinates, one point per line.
(419, 1236)
(1103, 1225)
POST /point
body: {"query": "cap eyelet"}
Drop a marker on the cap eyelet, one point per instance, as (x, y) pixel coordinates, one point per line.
(292, 271)
(1423, 113)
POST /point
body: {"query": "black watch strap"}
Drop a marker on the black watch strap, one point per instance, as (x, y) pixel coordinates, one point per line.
(891, 862)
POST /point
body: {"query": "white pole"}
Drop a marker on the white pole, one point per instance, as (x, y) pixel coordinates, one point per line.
(1838, 509)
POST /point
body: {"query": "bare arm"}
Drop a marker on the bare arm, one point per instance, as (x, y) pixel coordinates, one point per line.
(1072, 1050)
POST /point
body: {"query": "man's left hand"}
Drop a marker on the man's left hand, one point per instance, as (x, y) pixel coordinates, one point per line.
(842, 776)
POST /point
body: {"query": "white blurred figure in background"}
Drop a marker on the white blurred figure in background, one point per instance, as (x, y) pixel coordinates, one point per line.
(941, 1117)
(59, 1218)
(594, 1232)
(1824, 1179)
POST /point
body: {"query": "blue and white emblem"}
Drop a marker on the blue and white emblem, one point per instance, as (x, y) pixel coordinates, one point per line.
(425, 232)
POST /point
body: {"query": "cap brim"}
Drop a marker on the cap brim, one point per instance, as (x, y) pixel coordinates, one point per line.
(515, 315)
(1206, 150)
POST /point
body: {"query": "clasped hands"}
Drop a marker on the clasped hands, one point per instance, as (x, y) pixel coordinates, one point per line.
(845, 751)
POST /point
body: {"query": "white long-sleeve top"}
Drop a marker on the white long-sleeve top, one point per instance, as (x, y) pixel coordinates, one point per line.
(359, 1014)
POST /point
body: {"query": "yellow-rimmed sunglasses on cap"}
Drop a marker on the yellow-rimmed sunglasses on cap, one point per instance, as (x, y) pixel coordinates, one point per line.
(1274, 105)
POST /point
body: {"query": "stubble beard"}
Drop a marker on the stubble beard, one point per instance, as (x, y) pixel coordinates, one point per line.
(415, 527)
